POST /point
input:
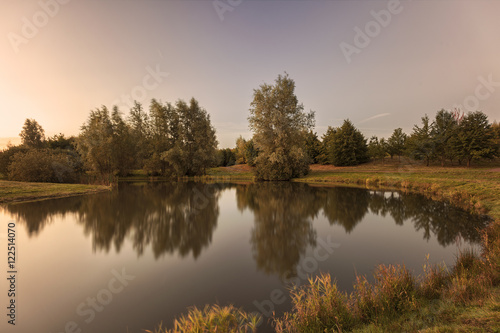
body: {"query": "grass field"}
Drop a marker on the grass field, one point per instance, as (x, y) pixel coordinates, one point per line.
(19, 191)
(475, 189)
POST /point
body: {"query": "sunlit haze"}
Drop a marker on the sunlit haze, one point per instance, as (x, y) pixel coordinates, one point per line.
(61, 59)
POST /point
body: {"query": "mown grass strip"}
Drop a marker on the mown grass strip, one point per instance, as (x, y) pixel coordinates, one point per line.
(20, 191)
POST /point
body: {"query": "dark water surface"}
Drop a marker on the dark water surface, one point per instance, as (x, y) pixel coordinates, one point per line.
(127, 260)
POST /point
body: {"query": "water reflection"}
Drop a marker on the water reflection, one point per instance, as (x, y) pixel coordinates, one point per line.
(283, 223)
(182, 217)
(284, 213)
(346, 207)
(171, 218)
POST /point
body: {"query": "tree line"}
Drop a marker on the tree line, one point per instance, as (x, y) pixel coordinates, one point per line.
(283, 144)
(169, 140)
(179, 140)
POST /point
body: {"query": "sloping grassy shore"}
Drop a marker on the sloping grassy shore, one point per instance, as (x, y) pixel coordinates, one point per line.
(20, 191)
(475, 189)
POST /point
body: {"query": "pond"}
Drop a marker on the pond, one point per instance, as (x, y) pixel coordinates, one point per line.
(127, 260)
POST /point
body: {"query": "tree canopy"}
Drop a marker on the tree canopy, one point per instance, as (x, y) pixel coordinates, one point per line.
(280, 125)
(348, 146)
(32, 135)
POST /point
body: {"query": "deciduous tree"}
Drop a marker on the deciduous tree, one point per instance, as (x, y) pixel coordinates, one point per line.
(195, 143)
(280, 124)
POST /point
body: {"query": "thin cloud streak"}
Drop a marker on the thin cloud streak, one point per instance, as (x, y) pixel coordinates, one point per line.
(375, 117)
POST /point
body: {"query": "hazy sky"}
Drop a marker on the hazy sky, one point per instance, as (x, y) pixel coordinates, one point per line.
(60, 59)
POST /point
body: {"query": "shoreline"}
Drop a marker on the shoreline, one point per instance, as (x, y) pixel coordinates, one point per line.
(12, 192)
(476, 190)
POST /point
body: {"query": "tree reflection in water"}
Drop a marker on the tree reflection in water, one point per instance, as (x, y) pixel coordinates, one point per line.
(284, 213)
(182, 217)
(176, 217)
(283, 223)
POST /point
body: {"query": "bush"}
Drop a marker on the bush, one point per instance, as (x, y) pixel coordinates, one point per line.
(225, 157)
(6, 156)
(280, 166)
(43, 166)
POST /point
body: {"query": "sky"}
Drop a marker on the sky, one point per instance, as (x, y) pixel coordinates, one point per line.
(381, 64)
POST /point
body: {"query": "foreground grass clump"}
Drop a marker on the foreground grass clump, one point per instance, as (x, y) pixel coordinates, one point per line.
(318, 307)
(393, 292)
(434, 279)
(213, 318)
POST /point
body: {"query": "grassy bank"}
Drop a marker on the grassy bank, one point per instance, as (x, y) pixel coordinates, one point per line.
(11, 191)
(474, 189)
(465, 298)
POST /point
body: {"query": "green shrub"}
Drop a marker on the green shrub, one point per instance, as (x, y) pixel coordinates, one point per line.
(43, 166)
(6, 156)
(281, 166)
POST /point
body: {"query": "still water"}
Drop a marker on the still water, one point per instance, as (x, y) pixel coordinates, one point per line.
(127, 260)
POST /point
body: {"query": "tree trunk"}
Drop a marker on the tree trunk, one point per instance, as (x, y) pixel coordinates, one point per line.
(468, 162)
